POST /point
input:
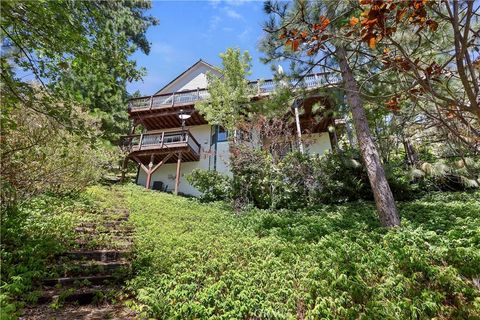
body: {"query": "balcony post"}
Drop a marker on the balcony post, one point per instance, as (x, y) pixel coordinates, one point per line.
(151, 103)
(173, 99)
(140, 142)
(258, 86)
(163, 136)
(198, 93)
(149, 173)
(177, 178)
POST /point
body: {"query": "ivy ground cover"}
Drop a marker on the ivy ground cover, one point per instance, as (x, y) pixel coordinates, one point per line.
(203, 261)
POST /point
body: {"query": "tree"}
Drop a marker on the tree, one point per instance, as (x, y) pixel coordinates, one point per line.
(78, 53)
(230, 95)
(431, 50)
(310, 34)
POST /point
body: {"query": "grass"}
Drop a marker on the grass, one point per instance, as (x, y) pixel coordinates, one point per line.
(202, 261)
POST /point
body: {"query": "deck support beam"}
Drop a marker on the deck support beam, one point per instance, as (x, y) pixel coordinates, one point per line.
(177, 178)
(150, 170)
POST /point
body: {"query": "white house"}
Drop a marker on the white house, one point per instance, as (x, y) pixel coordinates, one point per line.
(167, 152)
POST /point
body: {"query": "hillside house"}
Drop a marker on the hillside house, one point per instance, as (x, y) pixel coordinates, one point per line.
(176, 139)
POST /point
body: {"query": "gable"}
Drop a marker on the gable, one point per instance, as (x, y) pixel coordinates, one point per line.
(191, 79)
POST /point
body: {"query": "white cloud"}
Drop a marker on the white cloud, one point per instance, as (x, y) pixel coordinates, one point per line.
(214, 21)
(233, 14)
(244, 35)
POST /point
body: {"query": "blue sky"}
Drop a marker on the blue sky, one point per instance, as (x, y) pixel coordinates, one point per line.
(190, 30)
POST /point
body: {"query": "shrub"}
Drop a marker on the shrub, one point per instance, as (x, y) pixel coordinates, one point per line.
(213, 185)
(39, 156)
(252, 173)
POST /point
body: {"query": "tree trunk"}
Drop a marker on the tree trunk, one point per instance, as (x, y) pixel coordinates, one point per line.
(384, 200)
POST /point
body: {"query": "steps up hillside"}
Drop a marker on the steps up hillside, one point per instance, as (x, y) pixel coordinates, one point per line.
(83, 282)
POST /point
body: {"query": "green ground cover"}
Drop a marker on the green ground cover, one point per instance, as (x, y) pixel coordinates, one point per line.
(201, 261)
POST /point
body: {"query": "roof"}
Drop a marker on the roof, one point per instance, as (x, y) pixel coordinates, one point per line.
(196, 64)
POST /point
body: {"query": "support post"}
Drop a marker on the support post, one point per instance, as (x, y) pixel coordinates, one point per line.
(297, 121)
(177, 178)
(149, 173)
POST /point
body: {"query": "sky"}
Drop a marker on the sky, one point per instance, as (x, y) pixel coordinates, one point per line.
(193, 30)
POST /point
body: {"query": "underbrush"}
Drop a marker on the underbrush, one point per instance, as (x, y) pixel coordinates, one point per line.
(31, 235)
(201, 261)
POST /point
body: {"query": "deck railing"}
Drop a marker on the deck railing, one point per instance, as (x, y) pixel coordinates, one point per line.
(192, 96)
(161, 140)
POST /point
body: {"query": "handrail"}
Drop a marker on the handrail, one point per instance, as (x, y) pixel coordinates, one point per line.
(190, 96)
(160, 140)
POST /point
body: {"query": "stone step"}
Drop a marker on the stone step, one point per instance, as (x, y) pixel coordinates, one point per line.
(98, 255)
(96, 231)
(108, 244)
(81, 296)
(80, 281)
(106, 224)
(85, 268)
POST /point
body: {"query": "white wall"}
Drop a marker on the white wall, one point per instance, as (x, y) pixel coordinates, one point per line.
(167, 172)
(317, 143)
(193, 79)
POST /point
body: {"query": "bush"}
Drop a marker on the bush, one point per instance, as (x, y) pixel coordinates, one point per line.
(252, 174)
(213, 185)
(301, 180)
(39, 156)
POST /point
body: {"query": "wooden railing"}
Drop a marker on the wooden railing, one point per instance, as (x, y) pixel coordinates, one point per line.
(191, 96)
(161, 140)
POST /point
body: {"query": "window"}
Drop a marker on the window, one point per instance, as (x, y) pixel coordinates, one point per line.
(219, 134)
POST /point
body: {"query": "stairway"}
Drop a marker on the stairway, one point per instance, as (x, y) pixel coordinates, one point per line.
(83, 282)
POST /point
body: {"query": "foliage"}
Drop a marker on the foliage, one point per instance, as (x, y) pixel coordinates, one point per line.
(251, 169)
(332, 262)
(213, 185)
(302, 180)
(40, 156)
(78, 53)
(229, 94)
(32, 233)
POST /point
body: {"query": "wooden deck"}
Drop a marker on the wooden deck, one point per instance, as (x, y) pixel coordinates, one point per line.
(155, 146)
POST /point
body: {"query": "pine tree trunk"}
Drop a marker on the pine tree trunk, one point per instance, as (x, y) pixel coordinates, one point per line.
(384, 200)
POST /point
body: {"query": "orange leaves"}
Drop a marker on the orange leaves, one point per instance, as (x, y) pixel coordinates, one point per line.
(353, 21)
(379, 18)
(432, 25)
(392, 104)
(314, 37)
(293, 44)
(322, 25)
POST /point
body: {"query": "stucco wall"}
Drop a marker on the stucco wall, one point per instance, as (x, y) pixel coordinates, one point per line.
(317, 143)
(195, 78)
(167, 172)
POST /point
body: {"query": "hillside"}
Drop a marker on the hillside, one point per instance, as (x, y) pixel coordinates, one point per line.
(203, 261)
(200, 261)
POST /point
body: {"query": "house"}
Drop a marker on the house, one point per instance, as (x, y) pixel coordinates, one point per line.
(176, 139)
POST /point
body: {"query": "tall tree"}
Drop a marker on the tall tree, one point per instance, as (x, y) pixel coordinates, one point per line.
(78, 52)
(230, 94)
(311, 34)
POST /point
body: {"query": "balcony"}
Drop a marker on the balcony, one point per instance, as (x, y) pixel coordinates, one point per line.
(156, 145)
(189, 97)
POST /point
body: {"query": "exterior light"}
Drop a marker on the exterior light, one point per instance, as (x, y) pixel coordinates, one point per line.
(184, 115)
